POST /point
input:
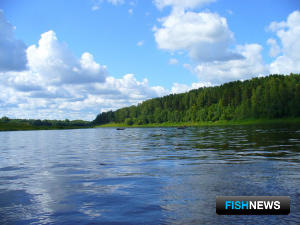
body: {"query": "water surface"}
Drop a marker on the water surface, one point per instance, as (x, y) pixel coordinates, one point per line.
(145, 175)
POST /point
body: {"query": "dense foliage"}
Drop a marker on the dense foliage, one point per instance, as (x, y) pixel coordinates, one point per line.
(274, 96)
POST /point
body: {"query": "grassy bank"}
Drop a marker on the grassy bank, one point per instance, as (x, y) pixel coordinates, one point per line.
(210, 123)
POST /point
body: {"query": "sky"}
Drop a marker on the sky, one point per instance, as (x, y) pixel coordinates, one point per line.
(74, 59)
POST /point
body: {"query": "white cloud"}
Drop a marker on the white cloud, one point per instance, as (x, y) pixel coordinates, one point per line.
(173, 61)
(140, 43)
(113, 94)
(24, 81)
(54, 62)
(205, 36)
(79, 101)
(274, 47)
(12, 51)
(180, 88)
(223, 71)
(57, 85)
(288, 32)
(207, 39)
(275, 26)
(130, 88)
(130, 11)
(182, 4)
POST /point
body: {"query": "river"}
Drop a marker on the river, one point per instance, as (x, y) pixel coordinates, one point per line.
(145, 175)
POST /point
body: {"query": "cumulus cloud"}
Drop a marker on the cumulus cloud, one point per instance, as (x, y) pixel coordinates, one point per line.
(205, 36)
(113, 94)
(76, 101)
(207, 39)
(24, 81)
(56, 64)
(274, 47)
(130, 88)
(285, 48)
(275, 26)
(288, 32)
(57, 85)
(12, 51)
(223, 71)
(181, 88)
(182, 4)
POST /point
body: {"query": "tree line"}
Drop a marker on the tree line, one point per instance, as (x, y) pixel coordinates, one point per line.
(274, 96)
(24, 124)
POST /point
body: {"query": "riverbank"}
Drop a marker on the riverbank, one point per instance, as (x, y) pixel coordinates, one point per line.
(210, 123)
(16, 125)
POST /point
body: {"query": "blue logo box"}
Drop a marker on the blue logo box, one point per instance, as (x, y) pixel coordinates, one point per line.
(252, 205)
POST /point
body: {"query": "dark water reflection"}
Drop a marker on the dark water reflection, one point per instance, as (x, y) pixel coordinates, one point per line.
(145, 176)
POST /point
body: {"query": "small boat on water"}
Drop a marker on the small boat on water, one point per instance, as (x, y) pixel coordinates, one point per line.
(120, 128)
(181, 127)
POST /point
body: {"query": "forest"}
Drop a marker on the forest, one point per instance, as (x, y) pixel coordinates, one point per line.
(270, 97)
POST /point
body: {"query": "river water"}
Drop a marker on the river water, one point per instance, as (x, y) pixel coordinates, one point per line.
(145, 175)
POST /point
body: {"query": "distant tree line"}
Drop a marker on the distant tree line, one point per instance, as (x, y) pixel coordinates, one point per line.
(274, 96)
(45, 123)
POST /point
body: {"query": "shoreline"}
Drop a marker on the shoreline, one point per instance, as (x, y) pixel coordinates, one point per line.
(208, 123)
(281, 121)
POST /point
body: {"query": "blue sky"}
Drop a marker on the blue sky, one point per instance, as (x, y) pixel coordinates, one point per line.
(74, 59)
